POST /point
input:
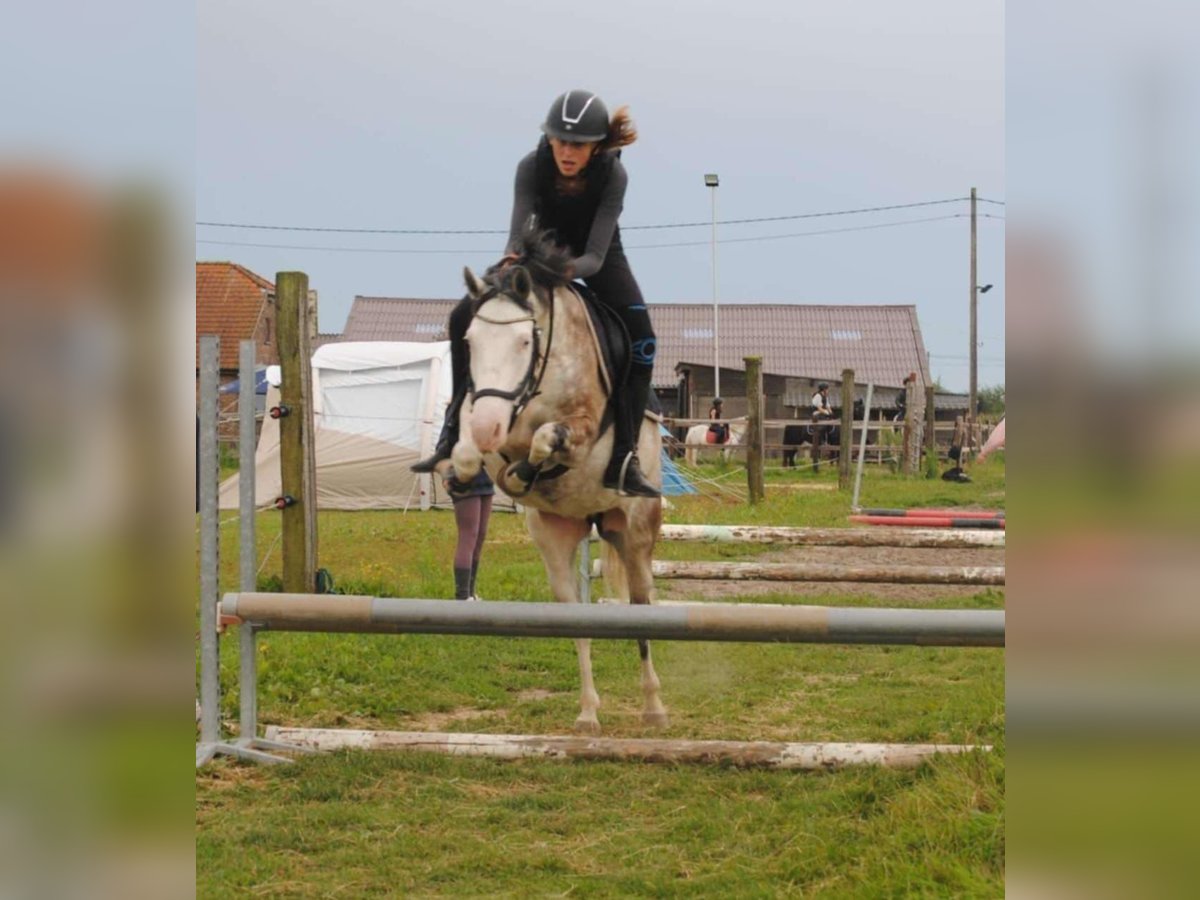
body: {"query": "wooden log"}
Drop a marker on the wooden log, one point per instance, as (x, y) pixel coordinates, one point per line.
(883, 574)
(742, 754)
(834, 537)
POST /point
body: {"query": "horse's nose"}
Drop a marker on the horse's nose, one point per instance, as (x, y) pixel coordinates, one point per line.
(489, 425)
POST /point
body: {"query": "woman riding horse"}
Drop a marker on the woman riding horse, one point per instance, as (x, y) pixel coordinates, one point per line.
(574, 184)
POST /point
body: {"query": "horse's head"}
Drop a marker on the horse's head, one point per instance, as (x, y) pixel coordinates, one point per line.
(505, 340)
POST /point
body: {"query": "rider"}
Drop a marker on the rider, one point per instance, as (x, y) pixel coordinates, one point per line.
(574, 183)
(719, 432)
(820, 403)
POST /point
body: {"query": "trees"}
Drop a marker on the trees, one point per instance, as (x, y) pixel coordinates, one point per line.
(991, 399)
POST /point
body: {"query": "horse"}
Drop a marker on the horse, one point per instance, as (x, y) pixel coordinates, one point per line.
(537, 419)
(797, 435)
(697, 434)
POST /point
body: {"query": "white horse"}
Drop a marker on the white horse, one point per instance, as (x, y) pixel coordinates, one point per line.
(696, 435)
(534, 420)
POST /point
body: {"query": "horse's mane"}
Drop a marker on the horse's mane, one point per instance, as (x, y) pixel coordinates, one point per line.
(547, 263)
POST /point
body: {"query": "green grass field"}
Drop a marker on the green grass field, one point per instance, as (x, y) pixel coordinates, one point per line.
(364, 825)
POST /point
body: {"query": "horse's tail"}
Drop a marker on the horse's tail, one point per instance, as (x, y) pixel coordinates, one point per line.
(616, 581)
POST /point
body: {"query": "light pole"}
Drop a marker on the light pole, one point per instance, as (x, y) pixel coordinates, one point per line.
(711, 181)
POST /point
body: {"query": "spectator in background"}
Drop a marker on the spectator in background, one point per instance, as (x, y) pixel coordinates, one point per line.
(472, 510)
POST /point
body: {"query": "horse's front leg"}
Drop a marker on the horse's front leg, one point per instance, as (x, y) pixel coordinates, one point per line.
(557, 538)
(554, 443)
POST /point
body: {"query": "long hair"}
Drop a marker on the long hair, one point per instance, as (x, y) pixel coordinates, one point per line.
(621, 130)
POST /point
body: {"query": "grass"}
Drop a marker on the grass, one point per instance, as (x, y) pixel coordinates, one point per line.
(363, 825)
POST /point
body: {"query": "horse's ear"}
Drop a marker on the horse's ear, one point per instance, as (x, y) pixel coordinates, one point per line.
(522, 284)
(475, 287)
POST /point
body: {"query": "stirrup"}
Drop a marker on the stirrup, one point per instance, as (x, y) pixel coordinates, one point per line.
(630, 482)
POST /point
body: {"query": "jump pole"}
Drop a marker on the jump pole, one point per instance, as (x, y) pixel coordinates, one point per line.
(808, 572)
(862, 445)
(929, 522)
(786, 624)
(742, 754)
(921, 512)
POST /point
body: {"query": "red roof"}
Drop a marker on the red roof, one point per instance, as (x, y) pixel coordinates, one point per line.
(881, 343)
(230, 302)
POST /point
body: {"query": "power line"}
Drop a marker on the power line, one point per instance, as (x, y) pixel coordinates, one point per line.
(492, 250)
(708, 224)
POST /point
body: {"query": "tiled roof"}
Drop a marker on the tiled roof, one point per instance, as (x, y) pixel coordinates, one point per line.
(881, 343)
(229, 301)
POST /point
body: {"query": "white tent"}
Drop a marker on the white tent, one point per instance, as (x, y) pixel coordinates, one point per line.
(377, 408)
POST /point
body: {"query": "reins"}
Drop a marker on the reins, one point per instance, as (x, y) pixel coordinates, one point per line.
(530, 385)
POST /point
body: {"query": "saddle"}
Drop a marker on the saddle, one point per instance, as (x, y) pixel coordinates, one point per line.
(612, 344)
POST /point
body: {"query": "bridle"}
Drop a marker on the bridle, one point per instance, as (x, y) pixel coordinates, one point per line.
(529, 386)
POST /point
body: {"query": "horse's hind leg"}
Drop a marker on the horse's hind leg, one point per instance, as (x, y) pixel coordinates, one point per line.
(557, 537)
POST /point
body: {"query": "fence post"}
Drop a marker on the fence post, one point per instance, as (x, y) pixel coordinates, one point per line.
(911, 458)
(930, 419)
(847, 436)
(296, 452)
(754, 429)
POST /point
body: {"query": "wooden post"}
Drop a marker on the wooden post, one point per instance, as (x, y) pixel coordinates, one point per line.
(930, 419)
(847, 442)
(912, 431)
(754, 428)
(297, 455)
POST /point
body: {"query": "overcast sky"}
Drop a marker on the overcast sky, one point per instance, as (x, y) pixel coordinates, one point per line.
(412, 115)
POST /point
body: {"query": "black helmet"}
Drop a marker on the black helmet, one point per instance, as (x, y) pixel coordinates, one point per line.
(717, 401)
(577, 116)
(822, 386)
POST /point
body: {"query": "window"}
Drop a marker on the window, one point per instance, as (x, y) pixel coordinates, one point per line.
(842, 334)
(429, 328)
(697, 334)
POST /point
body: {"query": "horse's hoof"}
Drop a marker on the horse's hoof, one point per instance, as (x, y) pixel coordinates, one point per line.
(590, 726)
(655, 719)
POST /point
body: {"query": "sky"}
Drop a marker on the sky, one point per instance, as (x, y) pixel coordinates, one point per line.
(413, 115)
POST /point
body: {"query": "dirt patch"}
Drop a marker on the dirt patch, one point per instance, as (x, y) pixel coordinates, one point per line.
(689, 589)
(437, 721)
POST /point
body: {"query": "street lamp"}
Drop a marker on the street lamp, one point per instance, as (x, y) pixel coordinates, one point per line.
(711, 181)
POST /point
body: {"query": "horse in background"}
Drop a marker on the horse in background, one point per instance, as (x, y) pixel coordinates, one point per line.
(539, 419)
(798, 434)
(698, 434)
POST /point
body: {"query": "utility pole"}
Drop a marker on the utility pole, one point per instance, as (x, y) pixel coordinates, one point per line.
(974, 336)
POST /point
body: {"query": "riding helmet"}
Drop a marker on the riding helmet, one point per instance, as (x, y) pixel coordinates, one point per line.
(577, 116)
(717, 401)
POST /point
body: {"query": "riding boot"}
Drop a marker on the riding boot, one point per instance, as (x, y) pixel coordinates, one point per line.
(624, 474)
(449, 435)
(460, 377)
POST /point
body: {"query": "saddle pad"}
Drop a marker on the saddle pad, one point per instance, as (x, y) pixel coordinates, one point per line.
(614, 339)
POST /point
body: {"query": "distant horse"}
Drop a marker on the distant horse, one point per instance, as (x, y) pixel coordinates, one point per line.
(698, 434)
(797, 435)
(537, 421)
